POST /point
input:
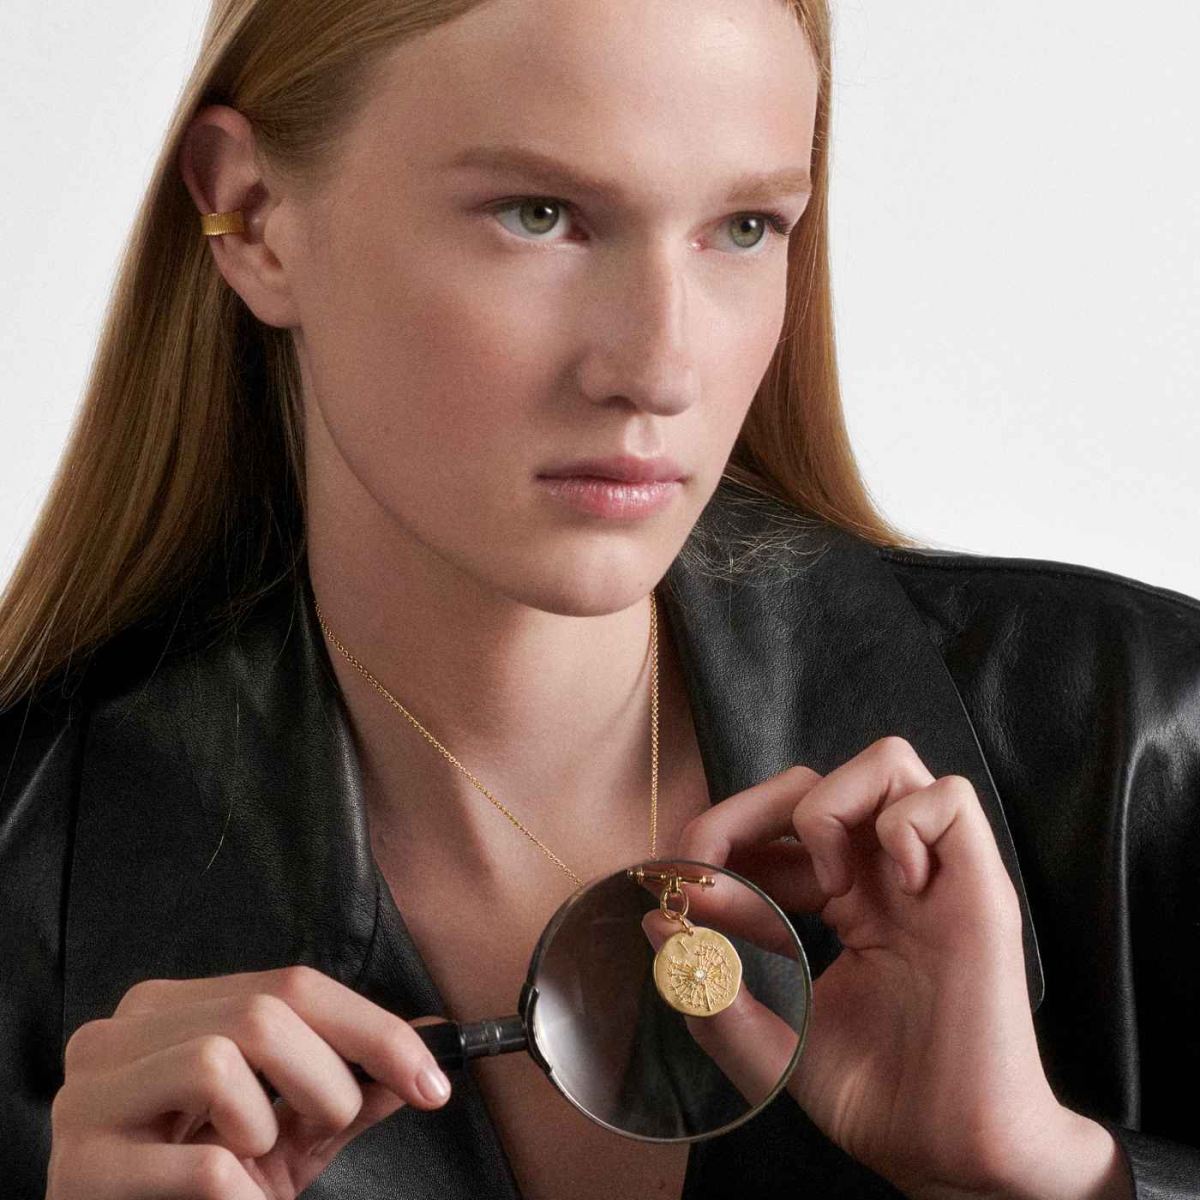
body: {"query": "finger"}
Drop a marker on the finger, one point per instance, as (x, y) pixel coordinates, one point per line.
(752, 1045)
(358, 1030)
(204, 1075)
(185, 1127)
(782, 869)
(848, 797)
(303, 1068)
(911, 827)
(378, 1102)
(118, 1169)
(742, 822)
(941, 827)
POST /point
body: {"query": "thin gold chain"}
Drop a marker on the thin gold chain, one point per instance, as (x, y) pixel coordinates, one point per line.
(446, 753)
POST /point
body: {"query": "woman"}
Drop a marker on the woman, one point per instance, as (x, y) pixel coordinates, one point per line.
(313, 492)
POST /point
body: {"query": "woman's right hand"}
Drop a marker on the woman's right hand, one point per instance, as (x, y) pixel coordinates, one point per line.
(178, 1058)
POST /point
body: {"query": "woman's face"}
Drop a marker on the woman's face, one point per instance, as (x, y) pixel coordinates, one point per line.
(457, 339)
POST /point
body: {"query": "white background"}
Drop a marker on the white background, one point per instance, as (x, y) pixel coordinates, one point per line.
(1016, 225)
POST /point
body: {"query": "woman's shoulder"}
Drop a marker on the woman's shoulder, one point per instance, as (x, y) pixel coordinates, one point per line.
(40, 743)
(1065, 669)
(925, 570)
(752, 534)
(1063, 612)
(43, 739)
(160, 668)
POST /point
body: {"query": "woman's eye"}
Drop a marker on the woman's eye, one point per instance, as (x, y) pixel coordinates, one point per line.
(538, 216)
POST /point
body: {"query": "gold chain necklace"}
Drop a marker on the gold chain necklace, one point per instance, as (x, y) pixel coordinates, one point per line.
(446, 753)
(697, 971)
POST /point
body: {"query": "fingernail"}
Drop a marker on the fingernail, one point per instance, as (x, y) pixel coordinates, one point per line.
(433, 1085)
(318, 1149)
(900, 876)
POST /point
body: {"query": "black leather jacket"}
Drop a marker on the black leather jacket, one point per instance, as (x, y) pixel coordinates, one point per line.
(194, 808)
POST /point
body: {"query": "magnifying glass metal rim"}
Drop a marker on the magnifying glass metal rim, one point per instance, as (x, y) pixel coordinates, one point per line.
(529, 999)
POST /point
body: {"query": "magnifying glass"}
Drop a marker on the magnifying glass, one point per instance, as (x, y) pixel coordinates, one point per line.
(619, 1028)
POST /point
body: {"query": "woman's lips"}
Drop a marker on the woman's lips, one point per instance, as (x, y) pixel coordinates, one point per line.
(611, 497)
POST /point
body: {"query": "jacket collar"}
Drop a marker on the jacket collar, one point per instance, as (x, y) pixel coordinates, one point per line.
(221, 825)
(808, 657)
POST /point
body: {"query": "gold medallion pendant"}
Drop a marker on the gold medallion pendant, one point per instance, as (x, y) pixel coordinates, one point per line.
(697, 971)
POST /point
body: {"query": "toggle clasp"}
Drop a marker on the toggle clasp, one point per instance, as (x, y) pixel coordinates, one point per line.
(674, 881)
(675, 878)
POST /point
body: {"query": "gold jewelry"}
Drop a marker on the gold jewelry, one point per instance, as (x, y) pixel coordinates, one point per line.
(227, 222)
(446, 753)
(697, 971)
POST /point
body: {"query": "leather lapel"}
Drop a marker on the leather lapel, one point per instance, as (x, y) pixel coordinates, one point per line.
(221, 828)
(217, 828)
(810, 657)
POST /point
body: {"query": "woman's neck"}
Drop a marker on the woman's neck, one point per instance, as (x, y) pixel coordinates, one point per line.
(550, 713)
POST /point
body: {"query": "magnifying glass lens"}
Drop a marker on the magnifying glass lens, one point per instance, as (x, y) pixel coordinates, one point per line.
(622, 1048)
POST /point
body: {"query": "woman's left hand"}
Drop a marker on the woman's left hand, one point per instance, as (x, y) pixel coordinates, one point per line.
(921, 1060)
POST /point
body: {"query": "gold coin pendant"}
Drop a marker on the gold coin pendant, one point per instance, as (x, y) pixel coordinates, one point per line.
(698, 972)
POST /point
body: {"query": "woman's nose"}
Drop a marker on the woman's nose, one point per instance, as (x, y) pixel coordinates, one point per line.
(640, 345)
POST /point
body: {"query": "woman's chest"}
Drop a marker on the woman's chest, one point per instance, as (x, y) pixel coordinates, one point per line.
(478, 951)
(476, 944)
(555, 1151)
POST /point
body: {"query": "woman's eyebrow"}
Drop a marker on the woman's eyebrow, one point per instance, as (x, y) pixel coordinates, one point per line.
(754, 187)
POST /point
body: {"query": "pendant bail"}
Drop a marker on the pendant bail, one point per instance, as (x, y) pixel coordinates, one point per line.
(673, 914)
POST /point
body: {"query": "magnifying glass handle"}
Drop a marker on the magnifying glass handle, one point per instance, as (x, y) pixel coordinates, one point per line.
(451, 1044)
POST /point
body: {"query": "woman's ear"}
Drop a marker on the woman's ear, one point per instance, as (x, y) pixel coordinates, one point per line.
(220, 169)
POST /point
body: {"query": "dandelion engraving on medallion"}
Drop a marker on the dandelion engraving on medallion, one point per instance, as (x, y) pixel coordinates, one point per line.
(698, 972)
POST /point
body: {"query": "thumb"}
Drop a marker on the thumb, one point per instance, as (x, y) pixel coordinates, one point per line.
(378, 1102)
(751, 1044)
